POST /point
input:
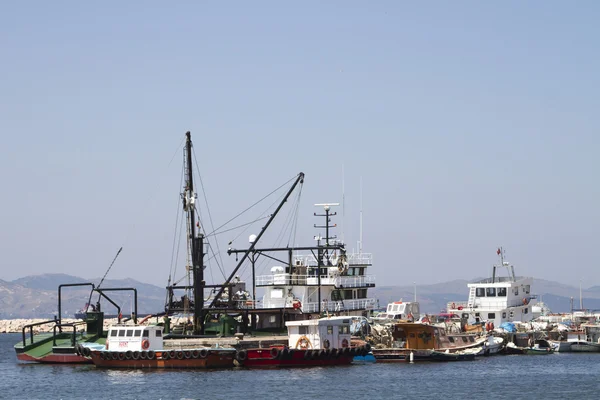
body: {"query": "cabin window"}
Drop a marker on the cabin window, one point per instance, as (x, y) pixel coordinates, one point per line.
(511, 314)
(277, 293)
(527, 288)
(491, 315)
(464, 338)
(477, 314)
(272, 319)
(146, 333)
(137, 333)
(121, 332)
(158, 333)
(471, 339)
(345, 329)
(465, 316)
(113, 333)
(502, 292)
(451, 339)
(503, 315)
(480, 292)
(491, 292)
(516, 291)
(302, 330)
(329, 330)
(129, 332)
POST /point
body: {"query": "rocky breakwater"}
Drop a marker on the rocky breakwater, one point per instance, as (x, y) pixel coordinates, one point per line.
(17, 325)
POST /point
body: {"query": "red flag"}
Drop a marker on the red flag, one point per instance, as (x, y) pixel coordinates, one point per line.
(498, 251)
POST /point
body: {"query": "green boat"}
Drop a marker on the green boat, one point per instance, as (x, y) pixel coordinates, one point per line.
(58, 345)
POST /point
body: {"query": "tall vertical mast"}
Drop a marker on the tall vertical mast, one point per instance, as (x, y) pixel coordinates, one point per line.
(196, 243)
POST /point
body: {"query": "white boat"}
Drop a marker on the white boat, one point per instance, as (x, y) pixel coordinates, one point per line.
(498, 299)
(327, 280)
(399, 310)
(582, 346)
(493, 345)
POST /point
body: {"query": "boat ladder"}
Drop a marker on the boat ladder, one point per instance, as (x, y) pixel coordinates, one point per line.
(471, 302)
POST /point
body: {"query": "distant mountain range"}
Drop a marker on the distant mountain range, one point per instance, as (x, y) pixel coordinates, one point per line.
(37, 296)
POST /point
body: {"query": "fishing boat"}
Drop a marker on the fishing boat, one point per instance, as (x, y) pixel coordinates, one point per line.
(423, 342)
(141, 347)
(498, 299)
(59, 344)
(318, 342)
(305, 282)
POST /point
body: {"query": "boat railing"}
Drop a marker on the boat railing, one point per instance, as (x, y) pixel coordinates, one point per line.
(340, 305)
(331, 259)
(355, 281)
(286, 279)
(31, 326)
(57, 326)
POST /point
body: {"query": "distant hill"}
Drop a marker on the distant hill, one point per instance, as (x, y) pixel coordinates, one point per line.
(37, 296)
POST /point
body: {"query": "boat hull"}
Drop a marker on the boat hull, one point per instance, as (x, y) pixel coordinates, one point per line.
(584, 347)
(220, 358)
(276, 357)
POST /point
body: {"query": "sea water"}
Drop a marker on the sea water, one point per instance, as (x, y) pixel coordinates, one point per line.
(552, 376)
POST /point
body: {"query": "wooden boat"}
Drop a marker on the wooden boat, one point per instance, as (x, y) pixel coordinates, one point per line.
(130, 346)
(317, 342)
(421, 340)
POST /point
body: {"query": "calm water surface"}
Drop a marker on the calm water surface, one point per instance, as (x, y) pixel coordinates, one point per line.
(554, 376)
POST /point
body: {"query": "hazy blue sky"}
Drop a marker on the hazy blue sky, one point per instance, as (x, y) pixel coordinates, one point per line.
(472, 124)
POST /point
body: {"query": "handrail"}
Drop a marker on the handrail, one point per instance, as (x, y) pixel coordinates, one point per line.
(30, 326)
(58, 325)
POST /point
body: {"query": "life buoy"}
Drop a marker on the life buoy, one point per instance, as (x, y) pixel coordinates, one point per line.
(345, 343)
(326, 344)
(242, 355)
(453, 306)
(275, 353)
(460, 308)
(145, 344)
(303, 343)
(297, 305)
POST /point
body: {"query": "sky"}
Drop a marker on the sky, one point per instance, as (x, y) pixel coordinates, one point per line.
(472, 125)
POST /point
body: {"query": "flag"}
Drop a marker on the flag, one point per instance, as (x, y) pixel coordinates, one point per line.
(498, 251)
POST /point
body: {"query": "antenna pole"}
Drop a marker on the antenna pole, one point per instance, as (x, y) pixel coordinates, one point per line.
(361, 219)
(343, 202)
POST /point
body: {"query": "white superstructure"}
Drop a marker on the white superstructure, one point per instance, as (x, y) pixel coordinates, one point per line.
(498, 299)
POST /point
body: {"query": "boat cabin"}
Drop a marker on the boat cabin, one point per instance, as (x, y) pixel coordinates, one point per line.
(399, 310)
(134, 338)
(323, 333)
(430, 337)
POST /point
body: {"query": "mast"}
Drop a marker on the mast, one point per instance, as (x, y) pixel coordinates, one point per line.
(196, 243)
